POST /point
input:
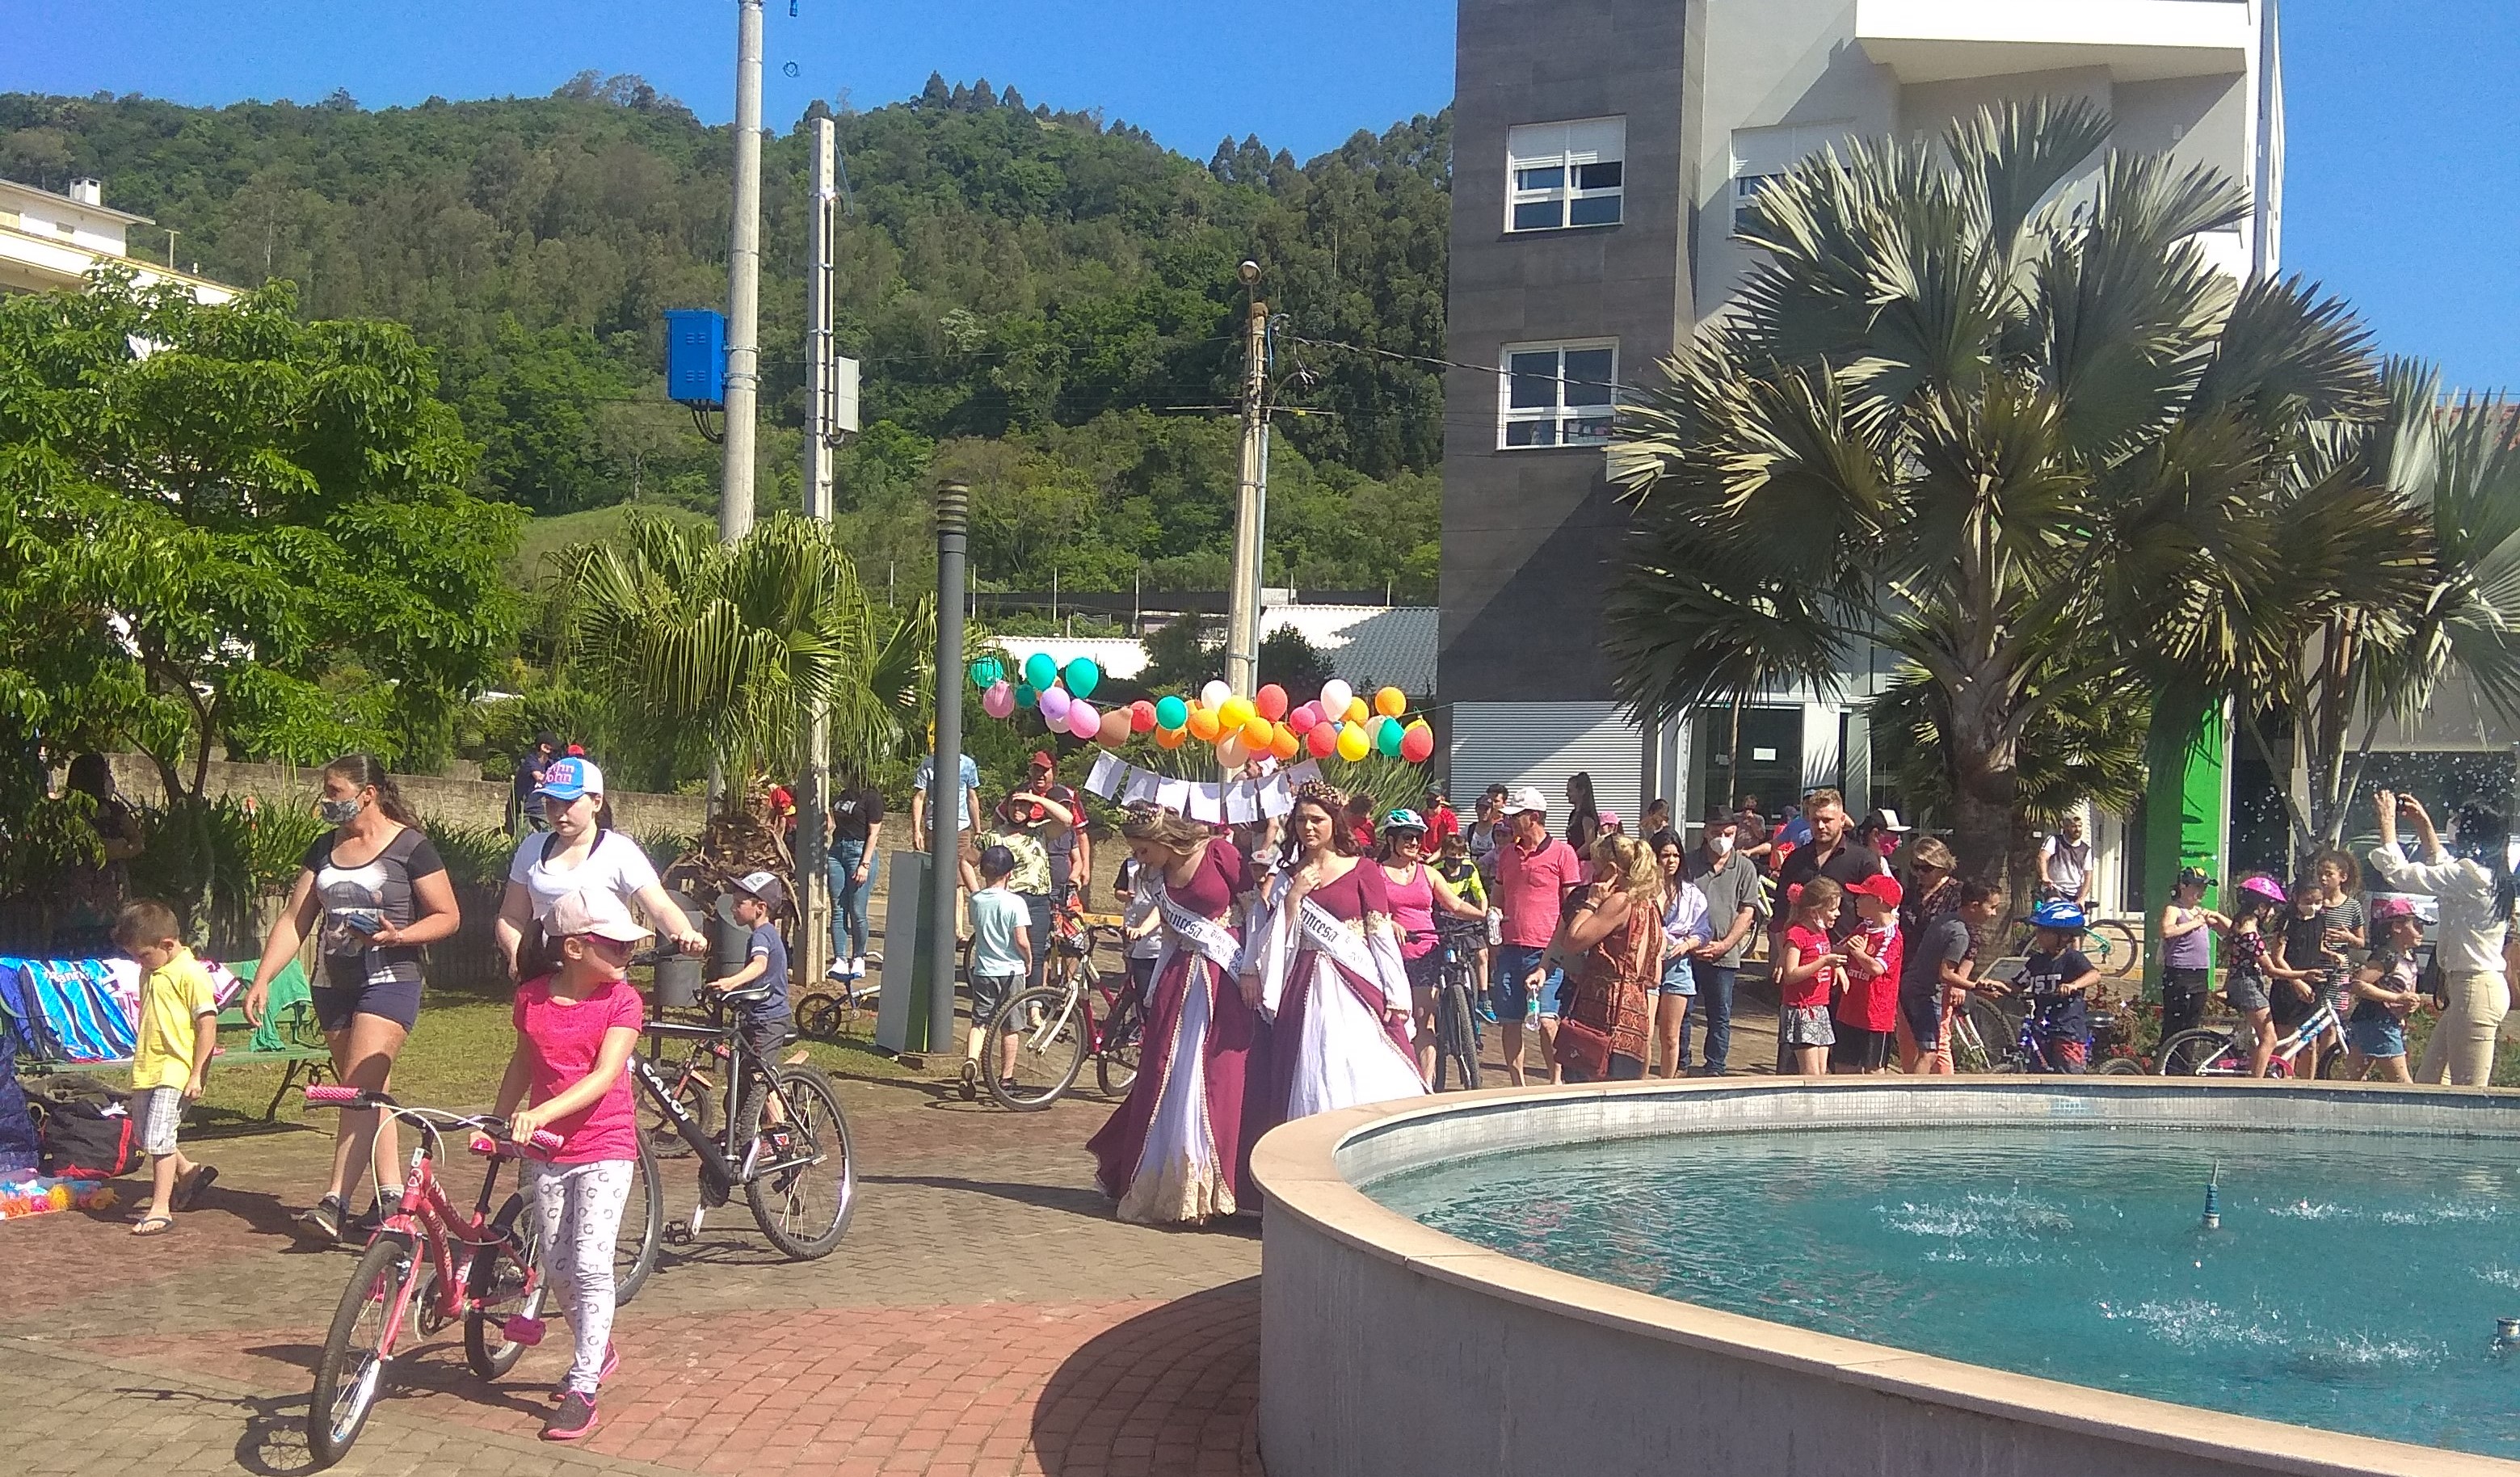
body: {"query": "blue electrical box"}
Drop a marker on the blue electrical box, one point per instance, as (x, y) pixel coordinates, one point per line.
(696, 357)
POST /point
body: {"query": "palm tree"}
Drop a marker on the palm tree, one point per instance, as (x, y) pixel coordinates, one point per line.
(1960, 369)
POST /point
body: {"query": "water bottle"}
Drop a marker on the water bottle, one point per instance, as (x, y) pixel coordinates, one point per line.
(1496, 927)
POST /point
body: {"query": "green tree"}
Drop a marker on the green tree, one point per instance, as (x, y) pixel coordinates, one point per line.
(1967, 375)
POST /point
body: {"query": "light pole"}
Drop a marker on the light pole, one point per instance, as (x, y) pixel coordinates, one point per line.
(945, 798)
(1251, 500)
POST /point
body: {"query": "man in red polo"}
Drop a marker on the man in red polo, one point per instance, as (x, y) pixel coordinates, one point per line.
(1535, 871)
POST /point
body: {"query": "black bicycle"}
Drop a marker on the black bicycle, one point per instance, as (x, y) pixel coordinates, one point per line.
(781, 1136)
(1457, 1021)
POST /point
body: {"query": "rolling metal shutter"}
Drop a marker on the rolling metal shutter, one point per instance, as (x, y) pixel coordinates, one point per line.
(1517, 743)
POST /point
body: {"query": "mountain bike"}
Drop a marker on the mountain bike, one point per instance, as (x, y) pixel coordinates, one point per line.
(1055, 1027)
(2112, 945)
(427, 1267)
(1457, 1023)
(782, 1136)
(2218, 1052)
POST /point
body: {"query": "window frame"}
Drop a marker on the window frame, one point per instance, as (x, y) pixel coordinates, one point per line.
(1568, 192)
(1560, 414)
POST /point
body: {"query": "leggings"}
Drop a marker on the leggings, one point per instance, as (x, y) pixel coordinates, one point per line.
(579, 1206)
(2462, 1040)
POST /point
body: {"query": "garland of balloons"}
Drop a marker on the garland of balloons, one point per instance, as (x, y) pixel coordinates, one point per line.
(1266, 723)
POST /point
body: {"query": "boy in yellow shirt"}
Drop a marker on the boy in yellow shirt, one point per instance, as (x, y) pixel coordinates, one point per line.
(179, 1028)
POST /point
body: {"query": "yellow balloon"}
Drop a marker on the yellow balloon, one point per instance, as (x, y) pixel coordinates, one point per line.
(1353, 744)
(1258, 733)
(1282, 742)
(1355, 712)
(1233, 712)
(1203, 726)
(1391, 703)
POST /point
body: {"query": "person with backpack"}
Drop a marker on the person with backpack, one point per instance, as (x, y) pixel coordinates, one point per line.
(581, 852)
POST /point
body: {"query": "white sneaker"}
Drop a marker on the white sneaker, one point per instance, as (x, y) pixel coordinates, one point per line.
(857, 967)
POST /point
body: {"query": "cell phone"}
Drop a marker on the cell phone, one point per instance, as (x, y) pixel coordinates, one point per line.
(362, 919)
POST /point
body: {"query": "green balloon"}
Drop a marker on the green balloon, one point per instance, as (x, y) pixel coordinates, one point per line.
(1171, 712)
(988, 672)
(1025, 696)
(1386, 738)
(1083, 677)
(1040, 672)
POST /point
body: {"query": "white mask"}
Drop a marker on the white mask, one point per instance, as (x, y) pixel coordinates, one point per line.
(1720, 846)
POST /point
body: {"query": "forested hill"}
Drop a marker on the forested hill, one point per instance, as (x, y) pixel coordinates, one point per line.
(1045, 304)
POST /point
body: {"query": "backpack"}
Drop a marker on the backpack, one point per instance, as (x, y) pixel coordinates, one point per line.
(84, 1140)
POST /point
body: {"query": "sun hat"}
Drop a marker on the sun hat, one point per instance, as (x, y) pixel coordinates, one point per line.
(2196, 875)
(1529, 797)
(2056, 912)
(594, 911)
(764, 885)
(1881, 887)
(568, 779)
(2265, 887)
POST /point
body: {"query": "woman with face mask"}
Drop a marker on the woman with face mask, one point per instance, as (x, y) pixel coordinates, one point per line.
(581, 852)
(372, 891)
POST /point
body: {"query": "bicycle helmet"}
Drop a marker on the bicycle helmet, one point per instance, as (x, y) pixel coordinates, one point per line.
(1404, 819)
(2056, 912)
(2265, 887)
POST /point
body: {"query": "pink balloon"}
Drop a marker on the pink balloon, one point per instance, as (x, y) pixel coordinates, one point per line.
(1302, 718)
(999, 700)
(1053, 707)
(1082, 720)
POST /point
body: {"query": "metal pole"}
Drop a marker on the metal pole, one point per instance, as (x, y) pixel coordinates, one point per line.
(743, 279)
(813, 799)
(945, 799)
(1242, 613)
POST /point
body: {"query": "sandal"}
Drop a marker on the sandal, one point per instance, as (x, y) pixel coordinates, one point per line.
(154, 1226)
(189, 1188)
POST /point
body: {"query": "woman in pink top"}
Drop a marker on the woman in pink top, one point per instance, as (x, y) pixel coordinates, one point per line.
(1415, 892)
(575, 1030)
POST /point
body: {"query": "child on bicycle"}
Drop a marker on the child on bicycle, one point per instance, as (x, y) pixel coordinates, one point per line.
(1002, 955)
(2385, 995)
(768, 1023)
(575, 1030)
(1808, 974)
(2304, 968)
(2058, 979)
(2245, 981)
(1466, 938)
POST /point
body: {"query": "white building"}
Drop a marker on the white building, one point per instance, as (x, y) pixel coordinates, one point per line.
(49, 242)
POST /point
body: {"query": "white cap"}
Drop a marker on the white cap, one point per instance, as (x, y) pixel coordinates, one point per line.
(1529, 797)
(764, 885)
(594, 911)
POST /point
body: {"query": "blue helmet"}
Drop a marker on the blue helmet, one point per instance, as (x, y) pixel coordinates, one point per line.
(2056, 912)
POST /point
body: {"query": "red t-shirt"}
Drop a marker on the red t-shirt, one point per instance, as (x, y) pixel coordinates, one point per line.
(1805, 944)
(1443, 823)
(562, 1044)
(1872, 1005)
(1530, 889)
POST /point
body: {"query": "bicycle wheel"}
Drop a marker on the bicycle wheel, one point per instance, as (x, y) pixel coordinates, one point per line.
(2120, 1066)
(696, 1097)
(2199, 1054)
(804, 1207)
(819, 1017)
(351, 1370)
(1457, 1051)
(1982, 1040)
(2112, 948)
(1048, 1028)
(1124, 1036)
(496, 1279)
(642, 1228)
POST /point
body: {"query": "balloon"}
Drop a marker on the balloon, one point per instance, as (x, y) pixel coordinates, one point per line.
(1083, 677)
(1170, 738)
(1040, 671)
(998, 700)
(1258, 734)
(1390, 703)
(1026, 697)
(1082, 720)
(1115, 729)
(1203, 726)
(1334, 695)
(1321, 741)
(1283, 744)
(1302, 718)
(1352, 743)
(1230, 752)
(1418, 743)
(1271, 702)
(1053, 705)
(1387, 741)
(1142, 716)
(1233, 712)
(988, 672)
(1213, 694)
(1171, 713)
(1355, 712)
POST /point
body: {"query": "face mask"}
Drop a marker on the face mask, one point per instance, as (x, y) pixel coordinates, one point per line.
(1719, 846)
(338, 812)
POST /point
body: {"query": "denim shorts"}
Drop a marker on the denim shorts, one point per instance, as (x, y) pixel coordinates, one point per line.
(1509, 976)
(990, 994)
(1922, 1009)
(1678, 977)
(2376, 1038)
(2245, 993)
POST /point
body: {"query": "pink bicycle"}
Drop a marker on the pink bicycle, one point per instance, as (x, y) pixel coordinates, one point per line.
(408, 1284)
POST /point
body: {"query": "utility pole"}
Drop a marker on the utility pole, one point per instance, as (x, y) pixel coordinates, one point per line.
(1251, 501)
(813, 797)
(743, 279)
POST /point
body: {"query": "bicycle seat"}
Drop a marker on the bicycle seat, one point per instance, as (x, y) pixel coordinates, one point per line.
(746, 997)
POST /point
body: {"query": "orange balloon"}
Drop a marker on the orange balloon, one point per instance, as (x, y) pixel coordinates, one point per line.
(1357, 712)
(1115, 729)
(1203, 725)
(1284, 744)
(1170, 738)
(1391, 703)
(1258, 733)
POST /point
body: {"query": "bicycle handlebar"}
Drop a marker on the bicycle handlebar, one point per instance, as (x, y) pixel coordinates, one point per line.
(341, 1095)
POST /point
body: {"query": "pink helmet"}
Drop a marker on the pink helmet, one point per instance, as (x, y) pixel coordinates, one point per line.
(2265, 887)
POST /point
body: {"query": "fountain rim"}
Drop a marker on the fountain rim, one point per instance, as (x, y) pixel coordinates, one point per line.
(1299, 1170)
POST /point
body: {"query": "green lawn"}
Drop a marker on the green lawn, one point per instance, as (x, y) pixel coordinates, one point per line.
(546, 536)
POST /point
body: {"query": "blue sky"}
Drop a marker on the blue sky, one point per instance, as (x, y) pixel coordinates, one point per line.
(2399, 194)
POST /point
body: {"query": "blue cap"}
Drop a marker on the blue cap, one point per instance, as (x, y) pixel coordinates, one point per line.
(568, 779)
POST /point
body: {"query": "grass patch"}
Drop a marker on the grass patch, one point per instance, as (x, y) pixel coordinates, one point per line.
(547, 536)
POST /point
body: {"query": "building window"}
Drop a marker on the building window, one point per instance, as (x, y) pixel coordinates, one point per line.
(1565, 174)
(1761, 155)
(1558, 395)
(1746, 188)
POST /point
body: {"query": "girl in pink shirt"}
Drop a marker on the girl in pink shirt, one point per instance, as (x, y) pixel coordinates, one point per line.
(575, 1030)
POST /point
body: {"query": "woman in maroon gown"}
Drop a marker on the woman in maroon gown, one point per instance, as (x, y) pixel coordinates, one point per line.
(1178, 1151)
